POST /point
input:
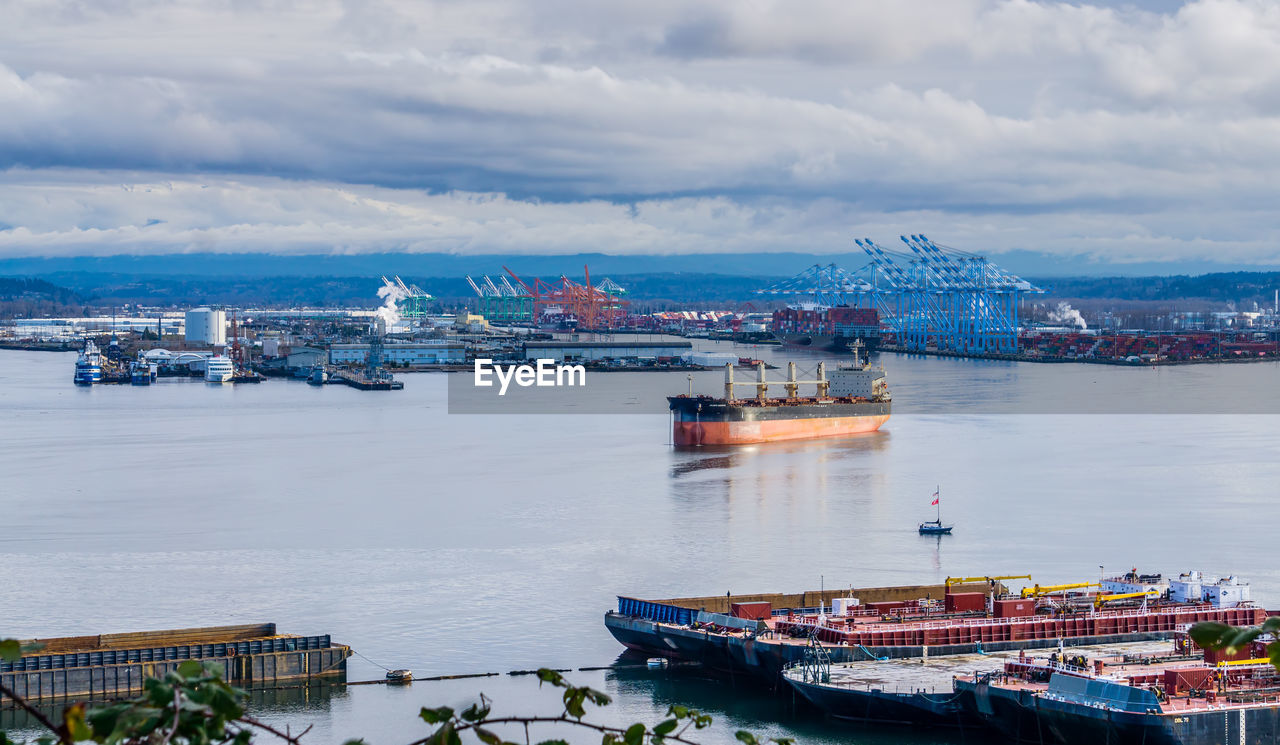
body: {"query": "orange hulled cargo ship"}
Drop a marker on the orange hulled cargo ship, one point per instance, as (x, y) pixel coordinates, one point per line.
(850, 400)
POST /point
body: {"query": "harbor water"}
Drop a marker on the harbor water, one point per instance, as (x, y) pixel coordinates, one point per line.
(454, 544)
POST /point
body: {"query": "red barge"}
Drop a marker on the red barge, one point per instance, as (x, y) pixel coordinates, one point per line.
(763, 634)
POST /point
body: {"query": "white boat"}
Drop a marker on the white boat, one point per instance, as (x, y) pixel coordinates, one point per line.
(219, 369)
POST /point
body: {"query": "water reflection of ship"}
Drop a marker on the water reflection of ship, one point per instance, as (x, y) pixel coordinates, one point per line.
(711, 457)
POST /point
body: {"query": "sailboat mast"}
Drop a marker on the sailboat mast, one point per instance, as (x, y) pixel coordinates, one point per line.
(938, 502)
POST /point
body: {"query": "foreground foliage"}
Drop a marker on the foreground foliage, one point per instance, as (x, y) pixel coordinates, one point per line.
(1232, 639)
(194, 706)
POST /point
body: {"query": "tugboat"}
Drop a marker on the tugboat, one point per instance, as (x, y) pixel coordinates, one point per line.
(935, 526)
(88, 365)
(142, 372)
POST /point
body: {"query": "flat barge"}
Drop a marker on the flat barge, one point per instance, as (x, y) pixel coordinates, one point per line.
(920, 692)
(739, 633)
(117, 665)
(761, 635)
(1128, 699)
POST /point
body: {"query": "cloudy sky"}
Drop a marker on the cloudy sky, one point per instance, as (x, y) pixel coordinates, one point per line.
(1145, 131)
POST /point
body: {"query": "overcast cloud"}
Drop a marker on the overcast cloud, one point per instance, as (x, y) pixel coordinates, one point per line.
(1131, 133)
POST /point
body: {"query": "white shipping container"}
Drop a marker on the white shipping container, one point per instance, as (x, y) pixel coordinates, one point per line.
(710, 359)
(844, 606)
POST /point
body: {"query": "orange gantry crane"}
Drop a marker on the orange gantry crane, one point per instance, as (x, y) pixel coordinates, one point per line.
(586, 306)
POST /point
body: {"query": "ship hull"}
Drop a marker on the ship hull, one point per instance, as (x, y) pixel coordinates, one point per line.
(765, 659)
(698, 421)
(87, 376)
(922, 708)
(1023, 717)
(829, 342)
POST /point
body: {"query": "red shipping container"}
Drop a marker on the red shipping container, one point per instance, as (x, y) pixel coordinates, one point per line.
(751, 611)
(1187, 678)
(1014, 608)
(1255, 651)
(959, 602)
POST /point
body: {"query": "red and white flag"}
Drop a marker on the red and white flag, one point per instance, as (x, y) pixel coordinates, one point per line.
(934, 503)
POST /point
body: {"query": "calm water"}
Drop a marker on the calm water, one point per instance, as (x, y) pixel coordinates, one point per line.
(463, 544)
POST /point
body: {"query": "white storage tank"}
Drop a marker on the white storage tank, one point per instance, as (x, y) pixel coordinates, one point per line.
(207, 326)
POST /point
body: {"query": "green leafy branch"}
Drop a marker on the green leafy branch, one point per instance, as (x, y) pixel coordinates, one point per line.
(192, 705)
(478, 718)
(1232, 639)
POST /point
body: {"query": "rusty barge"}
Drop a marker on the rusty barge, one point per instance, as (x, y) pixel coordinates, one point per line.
(116, 665)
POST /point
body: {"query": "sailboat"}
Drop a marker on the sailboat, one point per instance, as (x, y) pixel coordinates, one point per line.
(935, 527)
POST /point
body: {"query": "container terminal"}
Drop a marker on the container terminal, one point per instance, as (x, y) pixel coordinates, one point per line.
(761, 635)
(117, 665)
(919, 298)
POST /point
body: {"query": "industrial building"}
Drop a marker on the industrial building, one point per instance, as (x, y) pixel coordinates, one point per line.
(305, 357)
(399, 354)
(586, 351)
(206, 326)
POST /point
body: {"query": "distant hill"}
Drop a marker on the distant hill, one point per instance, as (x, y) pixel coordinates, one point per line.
(28, 296)
(769, 264)
(1241, 289)
(644, 290)
(654, 282)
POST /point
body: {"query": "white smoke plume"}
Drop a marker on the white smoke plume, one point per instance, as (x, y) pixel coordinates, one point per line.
(1065, 315)
(389, 312)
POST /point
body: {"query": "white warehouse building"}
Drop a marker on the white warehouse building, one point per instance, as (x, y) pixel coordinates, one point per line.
(206, 326)
(399, 354)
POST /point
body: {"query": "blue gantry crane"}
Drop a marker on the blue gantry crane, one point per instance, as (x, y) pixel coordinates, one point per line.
(929, 296)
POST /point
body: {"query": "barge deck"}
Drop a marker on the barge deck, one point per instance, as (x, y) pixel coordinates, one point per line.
(117, 665)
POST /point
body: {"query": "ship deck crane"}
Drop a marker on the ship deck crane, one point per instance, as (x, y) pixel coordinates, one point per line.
(792, 383)
(1101, 599)
(1039, 590)
(966, 580)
